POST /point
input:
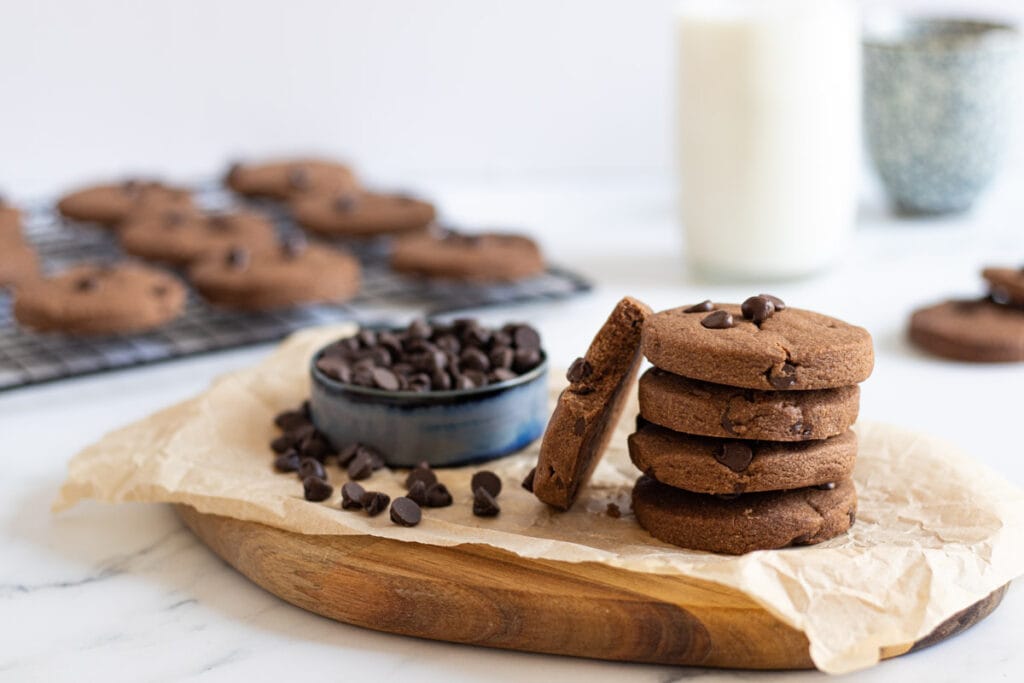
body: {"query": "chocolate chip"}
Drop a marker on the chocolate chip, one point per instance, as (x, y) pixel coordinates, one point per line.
(346, 203)
(757, 309)
(419, 329)
(293, 246)
(385, 379)
(287, 461)
(421, 473)
(438, 496)
(311, 467)
(290, 420)
(361, 466)
(734, 455)
(613, 511)
(827, 486)
(315, 445)
(487, 480)
(375, 502)
(335, 368)
(86, 284)
(474, 359)
(219, 222)
(525, 337)
(579, 370)
(298, 178)
(719, 320)
(172, 219)
(484, 504)
(282, 443)
(418, 493)
(702, 307)
(352, 496)
(405, 512)
(237, 258)
(525, 360)
(316, 489)
(528, 482)
(779, 304)
(500, 375)
(346, 454)
(501, 357)
(785, 378)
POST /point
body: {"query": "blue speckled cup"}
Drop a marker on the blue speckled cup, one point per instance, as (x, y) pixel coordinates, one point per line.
(938, 98)
(443, 428)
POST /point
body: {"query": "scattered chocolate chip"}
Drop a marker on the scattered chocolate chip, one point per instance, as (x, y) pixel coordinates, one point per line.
(579, 370)
(287, 461)
(346, 203)
(702, 307)
(528, 481)
(438, 496)
(785, 378)
(290, 420)
(375, 502)
(719, 320)
(484, 504)
(758, 309)
(315, 445)
(418, 493)
(827, 486)
(346, 454)
(779, 304)
(361, 466)
(487, 480)
(405, 512)
(613, 511)
(352, 496)
(237, 258)
(316, 489)
(734, 455)
(282, 443)
(311, 467)
(420, 473)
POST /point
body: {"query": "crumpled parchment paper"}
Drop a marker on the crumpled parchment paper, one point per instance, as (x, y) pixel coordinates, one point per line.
(935, 531)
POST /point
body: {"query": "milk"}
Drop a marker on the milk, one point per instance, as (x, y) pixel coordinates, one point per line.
(769, 134)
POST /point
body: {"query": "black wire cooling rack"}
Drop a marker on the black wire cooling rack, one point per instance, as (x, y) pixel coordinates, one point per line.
(31, 358)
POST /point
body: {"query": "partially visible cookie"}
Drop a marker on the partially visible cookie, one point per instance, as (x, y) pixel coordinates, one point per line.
(483, 257)
(290, 275)
(18, 260)
(977, 330)
(110, 204)
(1006, 283)
(10, 223)
(695, 407)
(87, 299)
(284, 178)
(752, 521)
(706, 465)
(589, 409)
(791, 349)
(182, 236)
(361, 214)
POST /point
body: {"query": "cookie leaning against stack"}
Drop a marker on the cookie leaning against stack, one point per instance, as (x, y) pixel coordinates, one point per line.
(743, 434)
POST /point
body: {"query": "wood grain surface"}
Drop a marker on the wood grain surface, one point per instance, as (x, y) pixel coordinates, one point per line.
(479, 595)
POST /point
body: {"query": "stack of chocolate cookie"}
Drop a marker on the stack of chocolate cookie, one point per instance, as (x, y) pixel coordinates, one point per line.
(744, 430)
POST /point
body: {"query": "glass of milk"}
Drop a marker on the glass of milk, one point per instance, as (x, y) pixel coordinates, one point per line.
(769, 134)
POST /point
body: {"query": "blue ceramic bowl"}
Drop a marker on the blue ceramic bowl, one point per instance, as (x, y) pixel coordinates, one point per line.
(443, 428)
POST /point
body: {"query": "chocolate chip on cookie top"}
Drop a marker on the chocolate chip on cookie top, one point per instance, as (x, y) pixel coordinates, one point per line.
(183, 236)
(268, 279)
(284, 178)
(111, 204)
(361, 214)
(589, 409)
(87, 299)
(479, 257)
(763, 344)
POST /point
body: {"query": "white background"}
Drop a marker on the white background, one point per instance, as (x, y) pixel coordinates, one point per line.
(409, 89)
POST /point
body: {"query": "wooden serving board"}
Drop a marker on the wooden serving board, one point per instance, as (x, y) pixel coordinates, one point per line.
(483, 596)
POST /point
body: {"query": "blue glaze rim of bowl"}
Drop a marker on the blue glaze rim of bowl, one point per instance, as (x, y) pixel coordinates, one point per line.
(423, 398)
(939, 34)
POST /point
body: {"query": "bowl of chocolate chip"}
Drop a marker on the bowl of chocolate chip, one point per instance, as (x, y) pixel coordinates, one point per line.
(445, 394)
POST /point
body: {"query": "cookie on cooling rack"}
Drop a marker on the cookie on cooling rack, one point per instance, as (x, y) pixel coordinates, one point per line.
(479, 257)
(361, 214)
(18, 260)
(110, 204)
(183, 236)
(284, 178)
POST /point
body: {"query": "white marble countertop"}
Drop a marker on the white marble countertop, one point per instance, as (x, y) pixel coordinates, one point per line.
(127, 594)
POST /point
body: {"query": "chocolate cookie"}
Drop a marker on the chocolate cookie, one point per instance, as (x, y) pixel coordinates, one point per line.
(483, 257)
(18, 260)
(753, 521)
(110, 204)
(706, 465)
(695, 407)
(588, 410)
(87, 299)
(789, 349)
(10, 223)
(281, 179)
(1006, 284)
(291, 275)
(978, 331)
(361, 214)
(180, 237)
